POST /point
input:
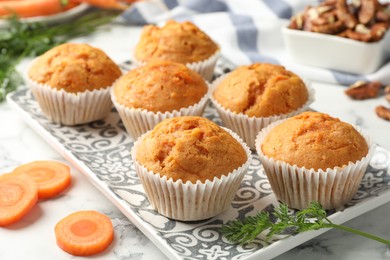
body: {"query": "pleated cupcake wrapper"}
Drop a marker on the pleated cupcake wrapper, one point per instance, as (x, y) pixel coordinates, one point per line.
(248, 127)
(204, 68)
(298, 186)
(138, 121)
(70, 108)
(191, 201)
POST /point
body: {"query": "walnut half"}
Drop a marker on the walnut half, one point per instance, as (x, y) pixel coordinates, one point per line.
(363, 90)
(383, 112)
(387, 93)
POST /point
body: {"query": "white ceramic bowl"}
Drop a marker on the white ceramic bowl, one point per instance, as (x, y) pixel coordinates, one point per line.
(335, 52)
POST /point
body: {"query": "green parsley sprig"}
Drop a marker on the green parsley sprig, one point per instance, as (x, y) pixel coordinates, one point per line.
(20, 40)
(313, 217)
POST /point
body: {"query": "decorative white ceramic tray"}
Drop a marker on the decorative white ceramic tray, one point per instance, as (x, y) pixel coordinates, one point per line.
(101, 151)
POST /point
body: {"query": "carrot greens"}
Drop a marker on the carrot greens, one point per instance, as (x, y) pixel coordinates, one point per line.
(313, 217)
(21, 40)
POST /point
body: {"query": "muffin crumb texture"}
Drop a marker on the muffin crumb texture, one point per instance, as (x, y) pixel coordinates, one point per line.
(315, 140)
(261, 90)
(190, 148)
(74, 68)
(181, 42)
(160, 86)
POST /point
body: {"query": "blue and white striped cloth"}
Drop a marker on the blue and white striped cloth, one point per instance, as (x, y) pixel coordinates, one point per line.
(248, 31)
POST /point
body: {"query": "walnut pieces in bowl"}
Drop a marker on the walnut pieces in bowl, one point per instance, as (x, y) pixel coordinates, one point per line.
(337, 34)
(362, 20)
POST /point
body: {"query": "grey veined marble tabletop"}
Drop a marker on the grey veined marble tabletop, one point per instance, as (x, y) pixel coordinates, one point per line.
(33, 236)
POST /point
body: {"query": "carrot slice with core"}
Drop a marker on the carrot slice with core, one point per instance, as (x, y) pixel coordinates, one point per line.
(84, 233)
(51, 177)
(18, 194)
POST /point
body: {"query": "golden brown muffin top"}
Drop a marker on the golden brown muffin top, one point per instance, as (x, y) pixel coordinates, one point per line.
(190, 148)
(160, 86)
(75, 68)
(261, 90)
(181, 42)
(315, 140)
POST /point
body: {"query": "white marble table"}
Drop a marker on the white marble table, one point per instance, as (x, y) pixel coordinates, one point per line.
(33, 237)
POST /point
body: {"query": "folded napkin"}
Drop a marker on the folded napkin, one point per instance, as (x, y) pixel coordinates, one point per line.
(247, 31)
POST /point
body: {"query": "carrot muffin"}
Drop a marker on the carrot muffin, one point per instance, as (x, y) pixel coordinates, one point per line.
(314, 157)
(261, 90)
(74, 68)
(190, 149)
(160, 89)
(71, 83)
(160, 86)
(315, 140)
(190, 167)
(255, 95)
(180, 42)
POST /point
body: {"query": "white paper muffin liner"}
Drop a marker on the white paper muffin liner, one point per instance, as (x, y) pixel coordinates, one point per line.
(205, 68)
(248, 127)
(70, 109)
(138, 121)
(191, 201)
(298, 186)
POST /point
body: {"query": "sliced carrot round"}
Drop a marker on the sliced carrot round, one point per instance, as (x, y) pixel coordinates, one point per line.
(18, 195)
(51, 177)
(84, 233)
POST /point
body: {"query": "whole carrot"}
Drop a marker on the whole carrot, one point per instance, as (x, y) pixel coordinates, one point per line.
(31, 8)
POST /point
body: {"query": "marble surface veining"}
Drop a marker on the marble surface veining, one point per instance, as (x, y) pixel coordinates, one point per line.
(33, 236)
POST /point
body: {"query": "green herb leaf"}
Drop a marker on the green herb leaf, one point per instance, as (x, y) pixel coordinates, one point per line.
(21, 40)
(248, 229)
(313, 217)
